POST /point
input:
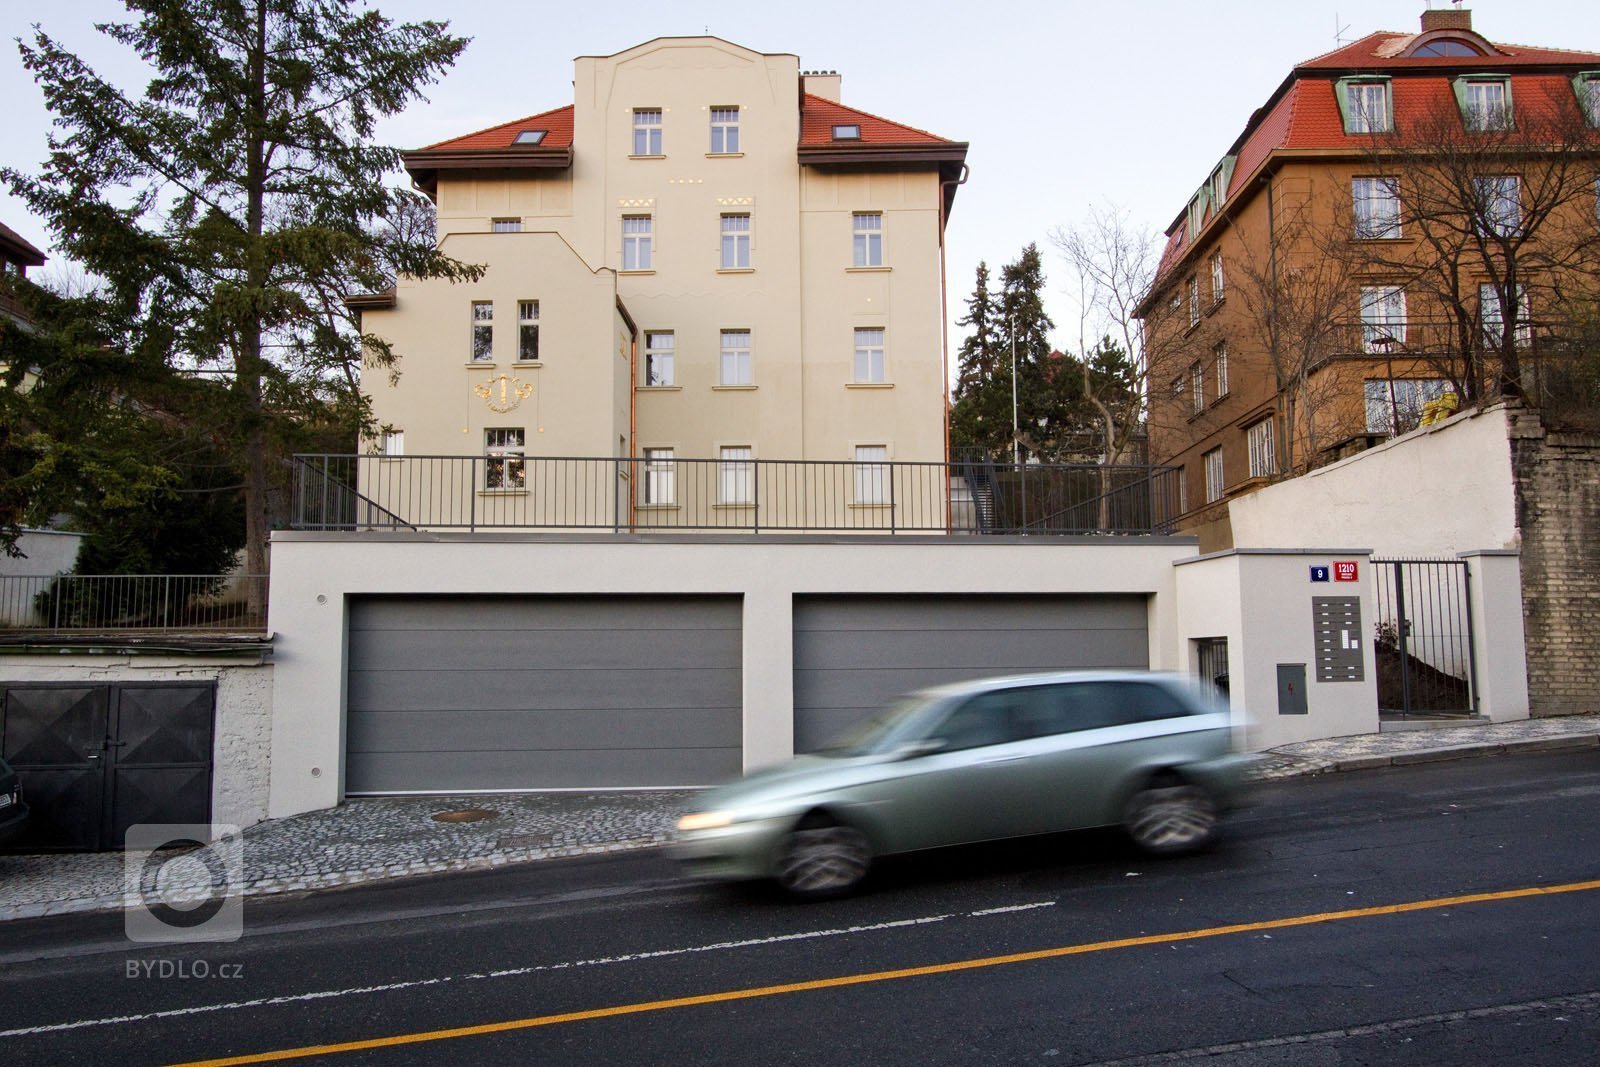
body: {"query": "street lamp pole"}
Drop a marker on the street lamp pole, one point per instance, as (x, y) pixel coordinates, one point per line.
(1016, 432)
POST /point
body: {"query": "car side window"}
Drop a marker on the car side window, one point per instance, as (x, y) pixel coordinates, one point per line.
(1144, 702)
(986, 719)
(1096, 705)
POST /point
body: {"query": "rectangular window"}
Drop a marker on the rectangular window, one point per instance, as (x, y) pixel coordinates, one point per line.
(660, 477)
(637, 232)
(867, 238)
(660, 348)
(1263, 449)
(1194, 299)
(724, 130)
(482, 331)
(736, 366)
(1383, 318)
(1222, 369)
(1485, 104)
(1213, 467)
(1377, 207)
(1587, 86)
(506, 225)
(503, 464)
(735, 242)
(1499, 204)
(647, 131)
(1197, 388)
(735, 475)
(869, 356)
(1493, 322)
(872, 474)
(1394, 406)
(1366, 107)
(527, 330)
(1217, 282)
(393, 443)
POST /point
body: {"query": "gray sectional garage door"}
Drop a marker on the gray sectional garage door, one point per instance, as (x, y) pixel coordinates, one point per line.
(478, 693)
(852, 655)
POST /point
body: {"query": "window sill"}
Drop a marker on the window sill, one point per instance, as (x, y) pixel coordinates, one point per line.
(868, 270)
(1192, 327)
(656, 507)
(885, 506)
(1216, 304)
(724, 155)
(480, 364)
(734, 388)
(660, 388)
(1379, 238)
(502, 492)
(736, 270)
(869, 385)
(657, 156)
(647, 270)
(732, 507)
(531, 364)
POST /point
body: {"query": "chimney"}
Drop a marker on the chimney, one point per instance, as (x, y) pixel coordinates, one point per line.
(823, 83)
(1452, 19)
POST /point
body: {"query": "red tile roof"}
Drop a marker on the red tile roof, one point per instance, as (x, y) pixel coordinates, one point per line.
(557, 122)
(819, 115)
(1382, 49)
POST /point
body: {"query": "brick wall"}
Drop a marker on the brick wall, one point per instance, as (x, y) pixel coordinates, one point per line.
(1558, 512)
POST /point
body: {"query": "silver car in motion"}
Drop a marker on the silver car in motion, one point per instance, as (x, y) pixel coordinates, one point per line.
(978, 761)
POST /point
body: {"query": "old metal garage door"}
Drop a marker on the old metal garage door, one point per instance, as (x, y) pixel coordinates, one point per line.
(852, 655)
(478, 693)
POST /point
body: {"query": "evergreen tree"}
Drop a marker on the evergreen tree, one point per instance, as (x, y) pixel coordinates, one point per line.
(232, 206)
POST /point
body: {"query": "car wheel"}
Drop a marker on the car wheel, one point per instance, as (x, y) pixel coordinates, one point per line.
(1171, 817)
(822, 861)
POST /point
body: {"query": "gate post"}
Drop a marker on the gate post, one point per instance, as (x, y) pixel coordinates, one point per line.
(1498, 642)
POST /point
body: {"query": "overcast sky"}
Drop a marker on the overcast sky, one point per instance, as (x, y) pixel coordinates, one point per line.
(1066, 103)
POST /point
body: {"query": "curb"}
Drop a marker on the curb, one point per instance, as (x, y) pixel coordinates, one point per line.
(1444, 752)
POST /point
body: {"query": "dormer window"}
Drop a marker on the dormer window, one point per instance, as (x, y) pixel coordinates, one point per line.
(1445, 46)
(530, 137)
(1587, 85)
(1365, 105)
(850, 132)
(1485, 101)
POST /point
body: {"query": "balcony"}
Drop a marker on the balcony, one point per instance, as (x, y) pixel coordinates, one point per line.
(626, 495)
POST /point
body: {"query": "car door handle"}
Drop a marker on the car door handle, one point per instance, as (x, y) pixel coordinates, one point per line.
(1001, 759)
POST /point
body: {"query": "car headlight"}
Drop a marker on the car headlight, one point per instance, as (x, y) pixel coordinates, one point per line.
(704, 820)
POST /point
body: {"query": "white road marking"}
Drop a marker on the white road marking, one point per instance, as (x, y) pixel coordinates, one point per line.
(1013, 907)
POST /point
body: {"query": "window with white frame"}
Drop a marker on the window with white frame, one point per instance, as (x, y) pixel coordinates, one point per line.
(1366, 107)
(1197, 388)
(735, 365)
(735, 242)
(1493, 320)
(724, 130)
(1194, 299)
(392, 443)
(869, 367)
(1262, 444)
(660, 477)
(1218, 283)
(637, 242)
(1587, 86)
(1213, 468)
(502, 458)
(1383, 317)
(1499, 204)
(482, 331)
(660, 351)
(527, 330)
(867, 238)
(1221, 352)
(506, 225)
(872, 474)
(647, 131)
(1485, 103)
(1377, 207)
(1394, 405)
(735, 475)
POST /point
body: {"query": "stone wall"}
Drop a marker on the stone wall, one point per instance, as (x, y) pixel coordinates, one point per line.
(1557, 479)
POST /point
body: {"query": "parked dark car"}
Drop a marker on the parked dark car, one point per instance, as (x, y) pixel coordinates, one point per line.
(997, 758)
(13, 812)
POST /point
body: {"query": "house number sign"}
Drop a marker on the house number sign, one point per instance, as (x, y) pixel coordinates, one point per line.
(504, 393)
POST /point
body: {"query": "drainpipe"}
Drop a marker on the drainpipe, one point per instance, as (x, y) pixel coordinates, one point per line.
(944, 333)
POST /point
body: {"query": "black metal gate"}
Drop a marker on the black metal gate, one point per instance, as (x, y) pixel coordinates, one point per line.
(97, 759)
(1423, 638)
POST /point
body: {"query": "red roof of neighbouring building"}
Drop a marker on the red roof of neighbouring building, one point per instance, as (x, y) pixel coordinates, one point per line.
(557, 124)
(819, 115)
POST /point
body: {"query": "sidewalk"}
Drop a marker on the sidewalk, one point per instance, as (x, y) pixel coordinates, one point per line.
(397, 837)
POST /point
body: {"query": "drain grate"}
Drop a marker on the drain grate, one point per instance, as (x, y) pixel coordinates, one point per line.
(464, 815)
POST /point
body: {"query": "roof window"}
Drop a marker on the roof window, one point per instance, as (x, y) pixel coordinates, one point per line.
(530, 137)
(1446, 46)
(850, 132)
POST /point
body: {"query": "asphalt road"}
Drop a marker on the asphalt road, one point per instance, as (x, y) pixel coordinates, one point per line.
(1438, 914)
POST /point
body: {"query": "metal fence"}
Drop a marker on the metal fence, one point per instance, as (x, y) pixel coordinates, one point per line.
(133, 602)
(1423, 638)
(373, 492)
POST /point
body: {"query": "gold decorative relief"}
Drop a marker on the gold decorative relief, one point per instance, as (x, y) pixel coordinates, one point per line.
(503, 393)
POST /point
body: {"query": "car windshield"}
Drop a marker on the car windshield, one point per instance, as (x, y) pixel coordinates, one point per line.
(883, 731)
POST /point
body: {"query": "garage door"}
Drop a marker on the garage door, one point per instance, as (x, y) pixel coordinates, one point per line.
(454, 694)
(852, 655)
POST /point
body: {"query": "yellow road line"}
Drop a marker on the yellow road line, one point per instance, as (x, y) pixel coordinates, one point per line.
(889, 976)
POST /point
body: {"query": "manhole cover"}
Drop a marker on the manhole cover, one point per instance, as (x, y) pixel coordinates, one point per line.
(464, 815)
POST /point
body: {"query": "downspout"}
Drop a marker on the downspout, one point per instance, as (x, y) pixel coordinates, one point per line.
(944, 332)
(1282, 429)
(633, 425)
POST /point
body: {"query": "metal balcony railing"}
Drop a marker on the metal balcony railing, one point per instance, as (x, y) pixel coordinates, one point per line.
(151, 603)
(639, 495)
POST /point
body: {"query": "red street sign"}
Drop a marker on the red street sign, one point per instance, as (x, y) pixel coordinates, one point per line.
(1344, 570)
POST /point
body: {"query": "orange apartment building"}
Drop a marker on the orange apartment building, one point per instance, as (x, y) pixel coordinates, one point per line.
(1339, 276)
